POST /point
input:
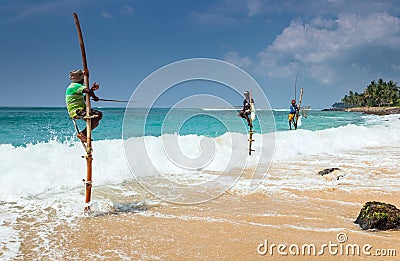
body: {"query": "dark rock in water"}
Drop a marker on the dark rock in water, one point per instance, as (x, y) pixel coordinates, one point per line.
(339, 176)
(331, 174)
(327, 171)
(378, 215)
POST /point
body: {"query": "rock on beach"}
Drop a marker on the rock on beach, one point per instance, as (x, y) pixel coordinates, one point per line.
(378, 215)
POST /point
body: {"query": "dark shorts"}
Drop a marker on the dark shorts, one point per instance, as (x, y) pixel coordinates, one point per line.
(244, 114)
(80, 114)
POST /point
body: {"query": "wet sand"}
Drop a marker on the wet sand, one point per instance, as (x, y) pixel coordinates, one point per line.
(231, 227)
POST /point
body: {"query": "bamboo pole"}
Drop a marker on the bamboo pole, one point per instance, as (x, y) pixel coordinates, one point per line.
(89, 158)
(295, 87)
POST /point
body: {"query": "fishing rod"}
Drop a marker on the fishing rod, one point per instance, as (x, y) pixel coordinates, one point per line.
(295, 87)
(108, 100)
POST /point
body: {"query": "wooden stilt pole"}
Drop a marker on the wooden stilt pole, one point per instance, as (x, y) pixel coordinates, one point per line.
(88, 118)
(252, 117)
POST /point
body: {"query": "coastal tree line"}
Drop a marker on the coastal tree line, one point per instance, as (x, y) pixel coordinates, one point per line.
(376, 94)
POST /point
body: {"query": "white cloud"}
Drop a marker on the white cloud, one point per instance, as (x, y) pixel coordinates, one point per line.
(254, 7)
(320, 22)
(234, 58)
(32, 9)
(395, 67)
(335, 42)
(28, 10)
(106, 15)
(226, 12)
(126, 10)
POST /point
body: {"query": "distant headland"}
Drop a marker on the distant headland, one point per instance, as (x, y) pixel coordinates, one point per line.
(376, 110)
(370, 110)
(379, 98)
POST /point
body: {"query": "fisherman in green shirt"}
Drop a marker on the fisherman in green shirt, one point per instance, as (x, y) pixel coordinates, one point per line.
(74, 98)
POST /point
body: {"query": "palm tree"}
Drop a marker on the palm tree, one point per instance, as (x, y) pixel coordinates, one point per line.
(379, 93)
(393, 93)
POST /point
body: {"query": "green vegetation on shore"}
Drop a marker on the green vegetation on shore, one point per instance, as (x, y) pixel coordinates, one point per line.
(376, 94)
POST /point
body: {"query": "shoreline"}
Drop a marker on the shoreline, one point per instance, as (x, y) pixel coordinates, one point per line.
(370, 110)
(376, 110)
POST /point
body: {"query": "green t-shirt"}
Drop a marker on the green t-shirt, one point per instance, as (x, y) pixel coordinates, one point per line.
(74, 98)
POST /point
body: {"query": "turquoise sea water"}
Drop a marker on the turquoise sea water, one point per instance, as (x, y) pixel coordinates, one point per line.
(20, 125)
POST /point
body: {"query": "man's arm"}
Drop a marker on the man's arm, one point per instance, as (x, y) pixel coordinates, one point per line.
(90, 91)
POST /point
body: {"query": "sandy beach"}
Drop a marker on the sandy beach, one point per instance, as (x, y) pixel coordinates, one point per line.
(231, 227)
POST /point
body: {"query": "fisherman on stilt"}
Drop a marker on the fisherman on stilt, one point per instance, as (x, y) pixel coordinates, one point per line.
(293, 111)
(74, 98)
(246, 110)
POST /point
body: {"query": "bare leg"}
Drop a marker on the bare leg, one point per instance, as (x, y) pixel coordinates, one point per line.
(81, 136)
(245, 115)
(95, 123)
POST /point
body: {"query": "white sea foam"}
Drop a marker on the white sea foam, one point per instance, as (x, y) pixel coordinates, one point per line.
(280, 109)
(9, 238)
(34, 169)
(292, 144)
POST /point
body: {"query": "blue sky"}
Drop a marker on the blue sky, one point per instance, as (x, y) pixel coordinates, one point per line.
(334, 45)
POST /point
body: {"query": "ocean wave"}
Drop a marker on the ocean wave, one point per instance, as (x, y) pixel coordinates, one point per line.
(35, 168)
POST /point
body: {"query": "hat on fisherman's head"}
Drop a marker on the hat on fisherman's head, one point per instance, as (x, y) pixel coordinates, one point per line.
(76, 75)
(246, 93)
(293, 101)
